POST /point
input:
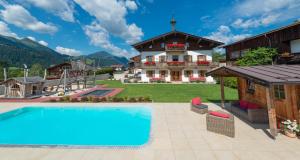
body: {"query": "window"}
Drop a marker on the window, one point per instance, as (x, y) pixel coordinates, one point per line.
(201, 73)
(149, 58)
(163, 73)
(279, 91)
(188, 73)
(187, 44)
(188, 58)
(162, 59)
(201, 57)
(162, 45)
(175, 58)
(235, 54)
(150, 74)
(250, 86)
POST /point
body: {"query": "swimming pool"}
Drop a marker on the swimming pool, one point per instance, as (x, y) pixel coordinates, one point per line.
(97, 93)
(76, 126)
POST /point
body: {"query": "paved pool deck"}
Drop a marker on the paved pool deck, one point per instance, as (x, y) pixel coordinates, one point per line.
(177, 134)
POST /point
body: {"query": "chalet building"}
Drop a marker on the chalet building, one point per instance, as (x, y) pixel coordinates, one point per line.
(23, 87)
(134, 64)
(176, 56)
(286, 40)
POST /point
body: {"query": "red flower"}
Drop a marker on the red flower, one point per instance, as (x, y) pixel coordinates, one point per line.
(203, 62)
(179, 45)
(149, 63)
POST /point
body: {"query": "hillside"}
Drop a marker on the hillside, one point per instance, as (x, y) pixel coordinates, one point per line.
(25, 51)
(103, 58)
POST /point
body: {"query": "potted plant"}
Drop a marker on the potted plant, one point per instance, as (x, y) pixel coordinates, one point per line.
(290, 128)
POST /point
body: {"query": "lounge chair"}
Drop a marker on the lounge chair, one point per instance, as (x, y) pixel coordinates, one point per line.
(220, 122)
(198, 106)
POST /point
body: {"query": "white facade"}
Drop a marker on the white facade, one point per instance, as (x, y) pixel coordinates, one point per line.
(295, 46)
(169, 58)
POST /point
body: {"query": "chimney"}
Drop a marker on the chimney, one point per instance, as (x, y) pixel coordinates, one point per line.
(173, 23)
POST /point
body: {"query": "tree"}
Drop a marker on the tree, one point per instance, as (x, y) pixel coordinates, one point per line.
(259, 56)
(217, 56)
(36, 70)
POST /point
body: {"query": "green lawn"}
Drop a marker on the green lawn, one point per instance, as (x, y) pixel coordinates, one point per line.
(172, 92)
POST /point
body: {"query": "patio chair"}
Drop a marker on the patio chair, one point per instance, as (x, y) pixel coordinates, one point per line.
(220, 122)
(198, 107)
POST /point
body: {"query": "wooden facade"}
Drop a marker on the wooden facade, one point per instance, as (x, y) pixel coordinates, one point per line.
(274, 87)
(280, 39)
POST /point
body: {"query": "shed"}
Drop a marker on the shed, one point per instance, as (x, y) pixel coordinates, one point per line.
(23, 87)
(276, 87)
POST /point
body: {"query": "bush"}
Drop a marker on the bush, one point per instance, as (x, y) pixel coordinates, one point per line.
(74, 100)
(90, 98)
(105, 70)
(117, 99)
(103, 99)
(229, 82)
(61, 99)
(84, 99)
(66, 98)
(52, 100)
(140, 99)
(132, 99)
(95, 99)
(147, 99)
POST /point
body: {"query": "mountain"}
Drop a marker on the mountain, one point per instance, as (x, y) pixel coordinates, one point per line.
(103, 58)
(17, 52)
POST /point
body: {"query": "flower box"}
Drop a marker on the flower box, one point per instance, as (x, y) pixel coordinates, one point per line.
(203, 63)
(175, 46)
(175, 63)
(149, 63)
(197, 79)
(158, 80)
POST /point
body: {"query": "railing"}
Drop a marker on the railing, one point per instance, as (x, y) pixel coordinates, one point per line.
(175, 47)
(177, 64)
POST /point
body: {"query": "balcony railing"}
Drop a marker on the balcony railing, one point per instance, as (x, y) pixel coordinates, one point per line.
(175, 47)
(181, 64)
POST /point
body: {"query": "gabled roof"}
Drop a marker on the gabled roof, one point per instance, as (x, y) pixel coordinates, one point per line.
(268, 74)
(263, 34)
(29, 80)
(176, 32)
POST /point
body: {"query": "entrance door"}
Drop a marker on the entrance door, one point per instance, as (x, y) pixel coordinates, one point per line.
(34, 90)
(175, 76)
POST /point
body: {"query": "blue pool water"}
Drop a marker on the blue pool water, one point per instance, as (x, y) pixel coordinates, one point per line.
(73, 126)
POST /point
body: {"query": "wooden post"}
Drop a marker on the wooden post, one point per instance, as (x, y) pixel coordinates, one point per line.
(271, 111)
(94, 78)
(222, 92)
(65, 80)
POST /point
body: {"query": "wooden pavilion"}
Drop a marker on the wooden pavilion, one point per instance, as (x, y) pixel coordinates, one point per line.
(275, 87)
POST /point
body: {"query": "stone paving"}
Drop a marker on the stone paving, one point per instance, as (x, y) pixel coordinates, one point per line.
(177, 134)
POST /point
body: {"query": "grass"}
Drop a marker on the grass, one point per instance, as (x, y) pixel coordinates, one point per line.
(173, 92)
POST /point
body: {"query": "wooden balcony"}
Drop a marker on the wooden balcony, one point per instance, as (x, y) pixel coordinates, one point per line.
(178, 65)
(175, 48)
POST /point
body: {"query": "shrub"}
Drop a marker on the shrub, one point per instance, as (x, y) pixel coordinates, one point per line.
(147, 99)
(74, 100)
(61, 99)
(95, 99)
(90, 98)
(125, 98)
(84, 99)
(66, 98)
(229, 82)
(140, 99)
(132, 99)
(103, 99)
(52, 100)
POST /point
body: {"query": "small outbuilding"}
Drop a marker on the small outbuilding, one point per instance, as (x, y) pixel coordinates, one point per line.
(23, 87)
(275, 87)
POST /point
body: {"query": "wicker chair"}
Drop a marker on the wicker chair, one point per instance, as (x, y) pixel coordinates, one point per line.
(224, 126)
(198, 106)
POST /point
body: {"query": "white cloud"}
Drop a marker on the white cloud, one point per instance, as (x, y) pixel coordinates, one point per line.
(5, 31)
(130, 4)
(224, 34)
(43, 43)
(99, 36)
(40, 42)
(67, 51)
(62, 8)
(110, 14)
(19, 16)
(256, 13)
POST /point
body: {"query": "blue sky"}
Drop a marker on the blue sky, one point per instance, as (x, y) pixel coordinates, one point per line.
(77, 27)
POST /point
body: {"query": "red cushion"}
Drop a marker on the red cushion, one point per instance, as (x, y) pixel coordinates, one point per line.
(219, 114)
(243, 104)
(196, 101)
(253, 106)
